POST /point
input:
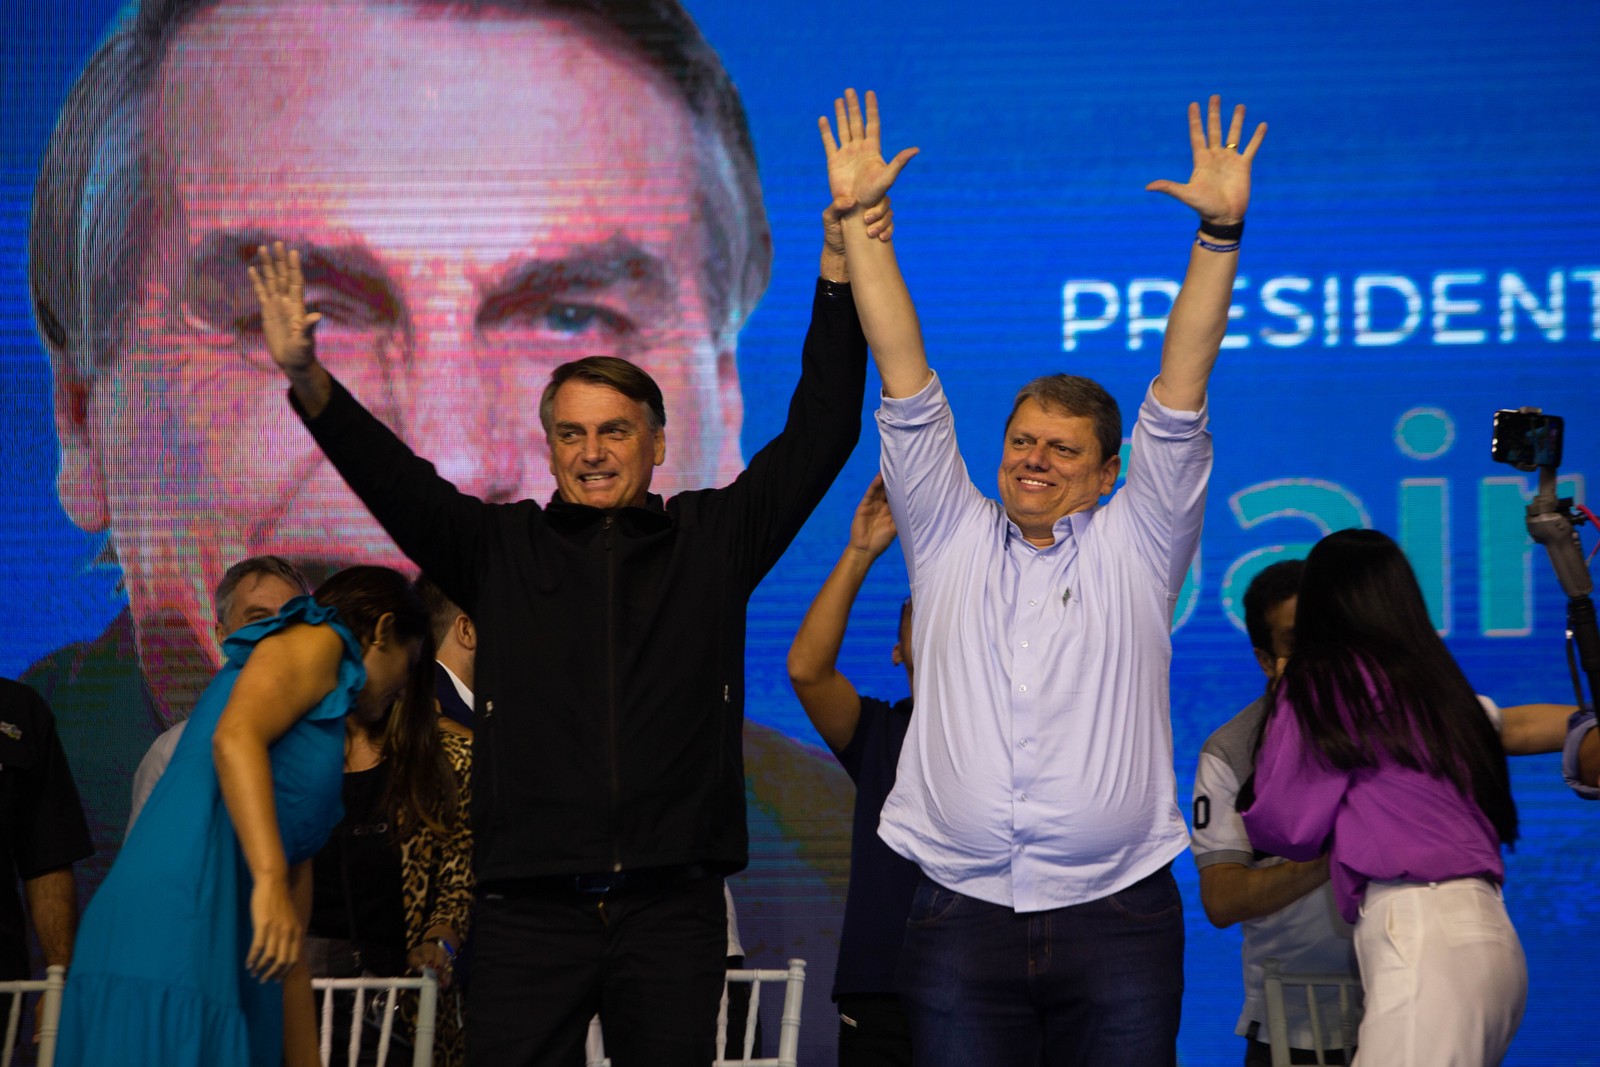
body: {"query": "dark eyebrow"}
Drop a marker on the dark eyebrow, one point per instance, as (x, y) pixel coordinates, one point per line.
(588, 267)
(348, 269)
(604, 427)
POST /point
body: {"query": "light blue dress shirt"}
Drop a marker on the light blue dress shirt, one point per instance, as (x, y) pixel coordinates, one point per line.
(1038, 772)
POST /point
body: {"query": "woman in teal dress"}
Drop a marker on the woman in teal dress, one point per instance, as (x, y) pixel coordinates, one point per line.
(191, 953)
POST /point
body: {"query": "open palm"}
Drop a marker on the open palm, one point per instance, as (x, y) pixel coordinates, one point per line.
(281, 289)
(856, 170)
(1219, 187)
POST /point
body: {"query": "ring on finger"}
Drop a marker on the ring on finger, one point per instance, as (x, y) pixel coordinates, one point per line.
(1231, 144)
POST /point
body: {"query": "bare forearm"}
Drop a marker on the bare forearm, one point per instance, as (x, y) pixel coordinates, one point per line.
(1232, 892)
(1529, 729)
(833, 267)
(244, 772)
(1195, 328)
(53, 906)
(815, 652)
(888, 317)
(313, 387)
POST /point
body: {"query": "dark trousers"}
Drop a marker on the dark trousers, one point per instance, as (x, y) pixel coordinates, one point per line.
(651, 964)
(1093, 984)
(873, 1031)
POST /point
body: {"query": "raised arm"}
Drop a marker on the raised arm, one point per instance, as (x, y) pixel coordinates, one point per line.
(288, 328)
(857, 174)
(438, 527)
(284, 678)
(829, 698)
(1218, 190)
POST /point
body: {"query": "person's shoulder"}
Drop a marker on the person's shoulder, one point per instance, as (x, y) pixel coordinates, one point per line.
(19, 700)
(1234, 740)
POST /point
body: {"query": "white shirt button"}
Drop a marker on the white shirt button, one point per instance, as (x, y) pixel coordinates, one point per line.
(1022, 689)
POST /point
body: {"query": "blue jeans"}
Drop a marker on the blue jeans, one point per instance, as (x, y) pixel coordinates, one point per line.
(1086, 985)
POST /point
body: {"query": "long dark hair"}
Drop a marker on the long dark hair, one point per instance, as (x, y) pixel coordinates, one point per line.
(422, 786)
(1370, 676)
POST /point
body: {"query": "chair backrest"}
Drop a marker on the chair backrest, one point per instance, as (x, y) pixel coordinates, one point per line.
(377, 1003)
(1348, 987)
(50, 986)
(794, 988)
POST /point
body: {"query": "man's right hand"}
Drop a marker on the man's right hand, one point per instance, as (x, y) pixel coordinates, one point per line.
(856, 171)
(281, 289)
(872, 529)
(288, 327)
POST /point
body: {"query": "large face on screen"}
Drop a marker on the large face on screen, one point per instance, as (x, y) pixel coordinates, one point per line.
(477, 198)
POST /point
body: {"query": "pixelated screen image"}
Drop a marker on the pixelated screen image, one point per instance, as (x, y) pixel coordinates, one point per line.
(482, 195)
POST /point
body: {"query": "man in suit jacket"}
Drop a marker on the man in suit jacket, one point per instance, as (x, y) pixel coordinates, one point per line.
(455, 641)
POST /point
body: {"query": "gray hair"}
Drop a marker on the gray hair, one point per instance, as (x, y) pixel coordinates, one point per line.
(95, 194)
(263, 566)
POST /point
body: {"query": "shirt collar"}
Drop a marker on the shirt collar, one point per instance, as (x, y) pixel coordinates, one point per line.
(461, 687)
(1067, 527)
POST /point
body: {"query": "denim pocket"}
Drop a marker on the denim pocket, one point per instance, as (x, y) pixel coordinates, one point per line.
(1150, 899)
(931, 902)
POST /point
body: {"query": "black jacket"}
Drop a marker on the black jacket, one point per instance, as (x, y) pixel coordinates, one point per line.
(610, 670)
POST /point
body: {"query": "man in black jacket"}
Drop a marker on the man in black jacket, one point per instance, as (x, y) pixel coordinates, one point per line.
(609, 785)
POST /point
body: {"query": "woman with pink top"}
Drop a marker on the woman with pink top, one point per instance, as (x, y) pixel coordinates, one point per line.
(1379, 754)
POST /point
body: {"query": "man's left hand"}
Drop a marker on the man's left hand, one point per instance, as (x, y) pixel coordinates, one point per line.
(1219, 187)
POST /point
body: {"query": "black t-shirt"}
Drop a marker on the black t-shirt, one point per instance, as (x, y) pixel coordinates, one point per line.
(357, 892)
(41, 820)
(881, 880)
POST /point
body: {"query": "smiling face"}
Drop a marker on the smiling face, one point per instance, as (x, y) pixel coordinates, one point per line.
(477, 199)
(259, 596)
(602, 449)
(1050, 467)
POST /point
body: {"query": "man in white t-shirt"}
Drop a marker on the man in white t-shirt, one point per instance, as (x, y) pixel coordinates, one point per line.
(1286, 908)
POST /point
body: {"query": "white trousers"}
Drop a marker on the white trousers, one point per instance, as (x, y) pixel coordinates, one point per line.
(1444, 975)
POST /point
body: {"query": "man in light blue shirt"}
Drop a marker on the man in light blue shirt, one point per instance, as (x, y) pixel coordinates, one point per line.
(1036, 789)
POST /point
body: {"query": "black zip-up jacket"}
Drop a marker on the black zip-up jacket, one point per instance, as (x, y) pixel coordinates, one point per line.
(610, 665)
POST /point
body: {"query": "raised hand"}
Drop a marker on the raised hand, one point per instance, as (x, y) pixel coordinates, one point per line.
(287, 327)
(1219, 187)
(856, 170)
(879, 220)
(872, 529)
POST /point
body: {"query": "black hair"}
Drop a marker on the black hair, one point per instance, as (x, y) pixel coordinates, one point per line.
(1274, 584)
(1371, 678)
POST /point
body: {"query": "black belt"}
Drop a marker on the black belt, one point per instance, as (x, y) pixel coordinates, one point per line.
(637, 880)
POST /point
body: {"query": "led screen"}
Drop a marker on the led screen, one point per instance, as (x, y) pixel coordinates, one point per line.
(1422, 250)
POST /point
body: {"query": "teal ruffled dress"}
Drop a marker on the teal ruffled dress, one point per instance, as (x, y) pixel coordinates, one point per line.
(158, 974)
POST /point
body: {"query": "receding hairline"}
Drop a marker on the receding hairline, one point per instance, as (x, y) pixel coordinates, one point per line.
(87, 203)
